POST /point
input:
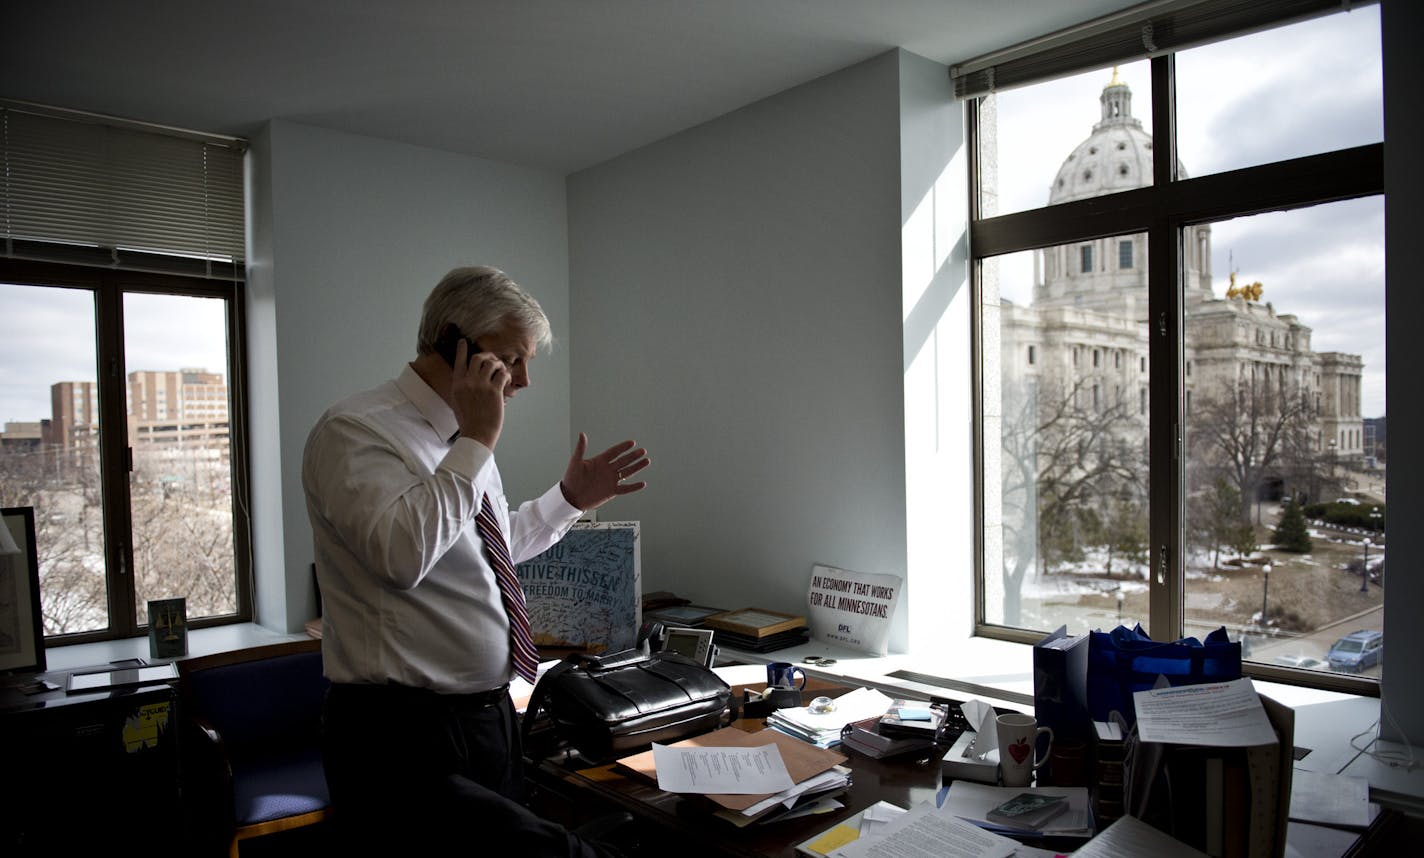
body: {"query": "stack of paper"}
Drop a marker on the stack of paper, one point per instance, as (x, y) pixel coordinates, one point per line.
(1131, 836)
(814, 773)
(867, 738)
(923, 830)
(823, 729)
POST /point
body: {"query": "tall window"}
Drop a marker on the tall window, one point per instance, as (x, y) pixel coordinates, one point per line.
(121, 282)
(1234, 512)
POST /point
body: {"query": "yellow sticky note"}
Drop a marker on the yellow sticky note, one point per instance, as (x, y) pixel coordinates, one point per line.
(835, 839)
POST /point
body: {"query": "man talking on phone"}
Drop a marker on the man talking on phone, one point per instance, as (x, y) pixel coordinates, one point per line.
(423, 622)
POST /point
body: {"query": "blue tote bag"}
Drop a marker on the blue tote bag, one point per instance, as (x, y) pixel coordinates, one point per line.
(1126, 660)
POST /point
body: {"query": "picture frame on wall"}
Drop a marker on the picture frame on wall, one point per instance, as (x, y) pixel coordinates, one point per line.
(21, 623)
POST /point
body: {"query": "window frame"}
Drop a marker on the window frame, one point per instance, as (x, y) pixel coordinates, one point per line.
(1161, 211)
(108, 287)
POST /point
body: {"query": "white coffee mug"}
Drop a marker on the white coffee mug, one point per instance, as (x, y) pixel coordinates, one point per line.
(1017, 736)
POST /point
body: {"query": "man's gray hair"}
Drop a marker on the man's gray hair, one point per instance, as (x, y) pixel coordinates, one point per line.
(480, 300)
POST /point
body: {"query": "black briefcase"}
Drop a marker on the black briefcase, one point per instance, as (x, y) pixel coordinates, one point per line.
(610, 706)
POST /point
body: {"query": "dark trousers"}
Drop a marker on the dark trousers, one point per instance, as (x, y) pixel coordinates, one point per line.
(389, 750)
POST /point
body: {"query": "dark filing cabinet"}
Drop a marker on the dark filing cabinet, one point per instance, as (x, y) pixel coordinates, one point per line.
(87, 773)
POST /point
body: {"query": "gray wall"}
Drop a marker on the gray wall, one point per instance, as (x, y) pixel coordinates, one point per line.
(736, 308)
(1402, 692)
(350, 234)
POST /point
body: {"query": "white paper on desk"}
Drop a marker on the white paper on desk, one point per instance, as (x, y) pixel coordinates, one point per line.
(810, 808)
(854, 705)
(982, 716)
(520, 688)
(721, 771)
(826, 780)
(1330, 799)
(1129, 835)
(1228, 714)
(878, 817)
(924, 832)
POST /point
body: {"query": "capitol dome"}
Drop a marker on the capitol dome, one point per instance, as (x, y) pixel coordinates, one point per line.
(1109, 274)
(1117, 156)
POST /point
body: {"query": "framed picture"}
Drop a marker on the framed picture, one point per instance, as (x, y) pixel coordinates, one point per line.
(167, 628)
(101, 680)
(21, 626)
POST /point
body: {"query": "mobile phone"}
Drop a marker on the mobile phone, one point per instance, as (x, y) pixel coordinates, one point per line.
(449, 341)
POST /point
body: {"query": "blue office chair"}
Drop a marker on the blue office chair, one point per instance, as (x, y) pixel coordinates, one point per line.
(251, 743)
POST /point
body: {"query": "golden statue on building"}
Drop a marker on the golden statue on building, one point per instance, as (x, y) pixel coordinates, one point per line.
(1251, 291)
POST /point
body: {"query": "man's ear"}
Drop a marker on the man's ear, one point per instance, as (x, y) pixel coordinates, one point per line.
(448, 342)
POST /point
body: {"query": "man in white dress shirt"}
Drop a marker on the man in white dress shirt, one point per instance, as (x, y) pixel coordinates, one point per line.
(418, 639)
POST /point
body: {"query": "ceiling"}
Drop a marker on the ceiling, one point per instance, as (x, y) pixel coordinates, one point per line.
(551, 84)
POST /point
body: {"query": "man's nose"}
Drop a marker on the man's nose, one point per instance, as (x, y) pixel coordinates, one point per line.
(519, 377)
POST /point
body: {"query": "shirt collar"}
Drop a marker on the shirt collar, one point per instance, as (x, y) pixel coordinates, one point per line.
(432, 407)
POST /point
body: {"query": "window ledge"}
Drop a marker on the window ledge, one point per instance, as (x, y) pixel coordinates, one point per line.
(200, 642)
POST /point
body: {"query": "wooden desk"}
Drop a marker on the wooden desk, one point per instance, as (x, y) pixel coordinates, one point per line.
(685, 826)
(674, 824)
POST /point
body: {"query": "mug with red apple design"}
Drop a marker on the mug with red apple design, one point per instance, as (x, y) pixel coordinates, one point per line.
(1017, 736)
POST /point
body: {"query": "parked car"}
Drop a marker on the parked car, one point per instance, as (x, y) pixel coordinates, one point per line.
(1357, 651)
(1304, 662)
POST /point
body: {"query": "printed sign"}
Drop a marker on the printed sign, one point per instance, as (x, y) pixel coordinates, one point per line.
(586, 591)
(853, 609)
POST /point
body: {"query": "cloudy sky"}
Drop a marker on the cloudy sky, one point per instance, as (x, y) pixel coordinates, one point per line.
(1298, 90)
(53, 340)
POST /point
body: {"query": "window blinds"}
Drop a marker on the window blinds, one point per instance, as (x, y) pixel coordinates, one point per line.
(88, 190)
(1144, 30)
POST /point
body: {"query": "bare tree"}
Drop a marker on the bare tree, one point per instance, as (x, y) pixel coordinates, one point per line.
(1243, 433)
(63, 487)
(182, 533)
(1065, 460)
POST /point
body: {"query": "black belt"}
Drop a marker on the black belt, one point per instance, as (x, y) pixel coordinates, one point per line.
(476, 699)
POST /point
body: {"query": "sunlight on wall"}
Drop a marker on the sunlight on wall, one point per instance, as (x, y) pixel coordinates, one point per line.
(931, 233)
(938, 412)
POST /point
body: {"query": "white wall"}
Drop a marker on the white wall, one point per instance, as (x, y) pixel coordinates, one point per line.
(350, 234)
(736, 308)
(938, 361)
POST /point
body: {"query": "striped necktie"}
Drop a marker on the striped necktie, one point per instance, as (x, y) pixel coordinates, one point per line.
(521, 643)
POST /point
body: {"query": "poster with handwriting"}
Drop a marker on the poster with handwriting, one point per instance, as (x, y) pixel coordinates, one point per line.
(852, 609)
(586, 591)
